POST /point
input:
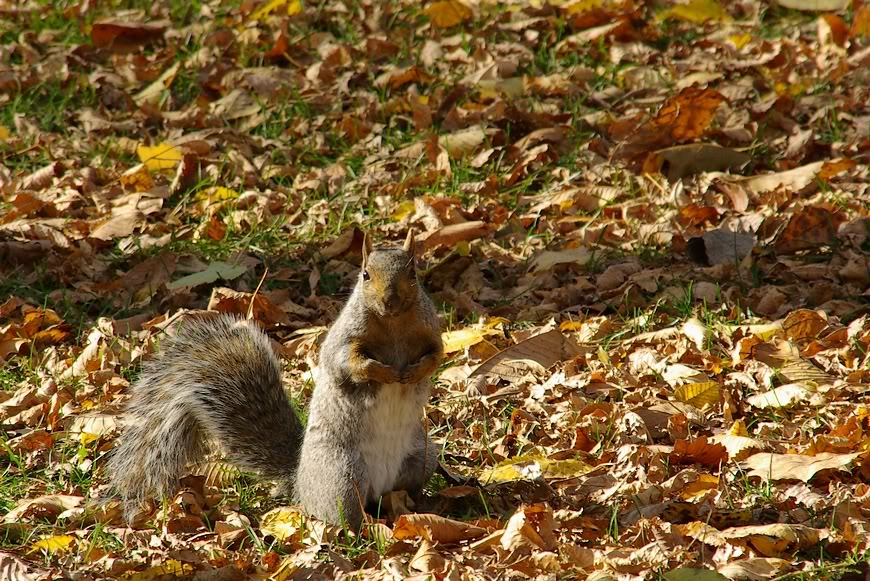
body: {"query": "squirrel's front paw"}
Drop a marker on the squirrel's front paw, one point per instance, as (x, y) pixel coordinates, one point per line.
(380, 373)
(419, 371)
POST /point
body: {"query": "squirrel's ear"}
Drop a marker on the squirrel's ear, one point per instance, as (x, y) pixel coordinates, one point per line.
(366, 247)
(410, 242)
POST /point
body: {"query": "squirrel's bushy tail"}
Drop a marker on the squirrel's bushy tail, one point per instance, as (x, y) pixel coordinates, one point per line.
(218, 380)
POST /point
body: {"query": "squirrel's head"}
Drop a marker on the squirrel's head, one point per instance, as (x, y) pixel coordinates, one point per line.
(389, 277)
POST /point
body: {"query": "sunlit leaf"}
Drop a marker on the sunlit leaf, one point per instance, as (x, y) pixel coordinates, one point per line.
(699, 394)
(53, 545)
(159, 157)
(697, 11)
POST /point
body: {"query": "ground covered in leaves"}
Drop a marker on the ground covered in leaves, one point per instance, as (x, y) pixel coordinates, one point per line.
(645, 224)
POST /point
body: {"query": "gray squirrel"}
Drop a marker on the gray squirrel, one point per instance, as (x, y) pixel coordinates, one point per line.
(218, 381)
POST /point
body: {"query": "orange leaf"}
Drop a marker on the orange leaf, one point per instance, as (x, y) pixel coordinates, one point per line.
(698, 451)
(832, 168)
(448, 13)
(809, 227)
(861, 23)
(803, 324)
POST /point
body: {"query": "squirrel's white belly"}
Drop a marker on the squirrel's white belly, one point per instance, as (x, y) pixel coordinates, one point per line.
(389, 425)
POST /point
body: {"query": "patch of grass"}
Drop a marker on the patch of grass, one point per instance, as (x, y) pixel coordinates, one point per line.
(832, 129)
(51, 104)
(44, 290)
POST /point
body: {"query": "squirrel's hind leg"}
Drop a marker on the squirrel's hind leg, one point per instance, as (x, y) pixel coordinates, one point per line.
(331, 483)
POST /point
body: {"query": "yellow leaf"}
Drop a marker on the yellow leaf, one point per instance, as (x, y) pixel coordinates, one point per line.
(216, 194)
(583, 6)
(137, 178)
(738, 428)
(159, 157)
(458, 340)
(448, 13)
(700, 487)
(282, 523)
(740, 40)
(403, 210)
(698, 394)
(86, 438)
(172, 567)
(697, 11)
(293, 7)
(4, 133)
(55, 544)
(532, 466)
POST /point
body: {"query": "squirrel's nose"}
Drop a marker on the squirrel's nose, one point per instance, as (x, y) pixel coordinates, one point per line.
(391, 302)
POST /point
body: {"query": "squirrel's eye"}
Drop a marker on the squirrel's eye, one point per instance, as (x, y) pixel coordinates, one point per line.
(365, 275)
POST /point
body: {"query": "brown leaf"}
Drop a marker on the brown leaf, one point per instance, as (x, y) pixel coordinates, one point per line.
(804, 324)
(775, 539)
(795, 466)
(530, 524)
(226, 300)
(835, 167)
(427, 559)
(118, 226)
(126, 35)
(809, 227)
(434, 528)
(46, 507)
(452, 235)
(534, 355)
(684, 117)
(756, 568)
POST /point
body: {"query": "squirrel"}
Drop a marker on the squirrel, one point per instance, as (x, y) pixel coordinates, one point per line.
(218, 380)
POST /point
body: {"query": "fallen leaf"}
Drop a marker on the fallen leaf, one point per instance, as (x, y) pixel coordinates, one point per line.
(53, 545)
(684, 117)
(215, 271)
(810, 227)
(756, 568)
(292, 7)
(434, 528)
(463, 338)
(700, 451)
(803, 324)
(699, 394)
(126, 35)
(282, 523)
(152, 93)
(534, 355)
(795, 466)
(814, 5)
(427, 559)
(531, 524)
(550, 258)
(532, 467)
(697, 11)
(684, 160)
(46, 507)
(452, 234)
(687, 574)
(448, 13)
(783, 396)
(159, 157)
